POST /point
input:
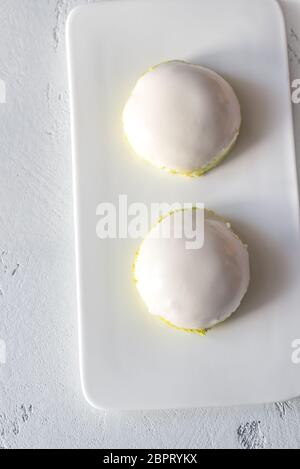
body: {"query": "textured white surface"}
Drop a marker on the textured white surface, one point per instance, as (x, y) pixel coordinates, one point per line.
(41, 404)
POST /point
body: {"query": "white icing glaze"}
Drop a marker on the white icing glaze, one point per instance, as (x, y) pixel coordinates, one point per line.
(193, 289)
(181, 116)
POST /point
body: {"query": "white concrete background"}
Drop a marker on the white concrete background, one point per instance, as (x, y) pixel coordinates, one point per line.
(41, 404)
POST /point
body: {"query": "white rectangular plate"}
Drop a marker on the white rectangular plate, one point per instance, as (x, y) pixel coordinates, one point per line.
(128, 359)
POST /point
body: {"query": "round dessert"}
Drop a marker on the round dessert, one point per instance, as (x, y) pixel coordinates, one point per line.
(192, 289)
(182, 118)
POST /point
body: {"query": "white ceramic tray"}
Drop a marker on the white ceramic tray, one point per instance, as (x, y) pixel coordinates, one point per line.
(128, 359)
